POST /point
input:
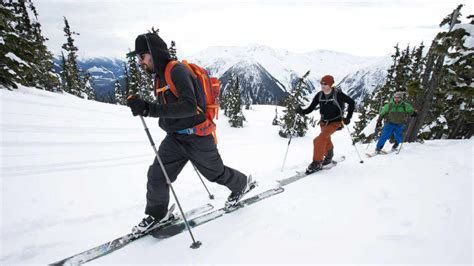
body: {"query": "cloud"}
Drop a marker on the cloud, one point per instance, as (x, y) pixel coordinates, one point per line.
(108, 28)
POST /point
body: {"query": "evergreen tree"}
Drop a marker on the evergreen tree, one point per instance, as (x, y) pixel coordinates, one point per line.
(145, 85)
(119, 96)
(457, 87)
(236, 117)
(439, 108)
(172, 51)
(362, 122)
(24, 58)
(43, 72)
(414, 84)
(126, 80)
(88, 91)
(64, 74)
(224, 100)
(137, 81)
(10, 47)
(290, 123)
(133, 76)
(73, 83)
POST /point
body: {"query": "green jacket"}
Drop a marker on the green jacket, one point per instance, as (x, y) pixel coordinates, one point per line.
(396, 113)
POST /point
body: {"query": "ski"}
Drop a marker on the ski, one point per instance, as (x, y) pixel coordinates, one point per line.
(180, 227)
(120, 242)
(302, 174)
(382, 152)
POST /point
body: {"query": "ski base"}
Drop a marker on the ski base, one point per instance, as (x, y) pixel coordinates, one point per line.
(120, 242)
(180, 227)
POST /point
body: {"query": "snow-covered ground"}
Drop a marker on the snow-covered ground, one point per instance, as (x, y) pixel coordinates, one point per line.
(73, 175)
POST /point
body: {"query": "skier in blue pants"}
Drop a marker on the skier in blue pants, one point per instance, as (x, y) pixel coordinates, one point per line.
(395, 113)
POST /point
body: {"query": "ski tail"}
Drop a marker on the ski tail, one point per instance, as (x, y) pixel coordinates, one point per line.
(120, 242)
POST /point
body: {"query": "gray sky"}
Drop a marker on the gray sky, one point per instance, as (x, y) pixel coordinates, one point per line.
(367, 28)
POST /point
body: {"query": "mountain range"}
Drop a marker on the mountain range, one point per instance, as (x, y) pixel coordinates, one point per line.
(266, 75)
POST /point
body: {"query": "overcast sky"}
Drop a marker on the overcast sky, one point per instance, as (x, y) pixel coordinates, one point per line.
(367, 28)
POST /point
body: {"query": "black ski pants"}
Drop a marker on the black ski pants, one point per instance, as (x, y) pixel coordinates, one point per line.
(175, 151)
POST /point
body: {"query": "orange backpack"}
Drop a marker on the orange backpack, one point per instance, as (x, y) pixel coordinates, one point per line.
(209, 88)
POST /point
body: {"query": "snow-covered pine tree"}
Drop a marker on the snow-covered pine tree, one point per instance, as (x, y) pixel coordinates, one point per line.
(63, 74)
(292, 124)
(172, 50)
(459, 83)
(224, 99)
(19, 56)
(74, 82)
(88, 91)
(11, 68)
(119, 96)
(234, 100)
(145, 85)
(414, 84)
(25, 59)
(126, 79)
(362, 122)
(438, 104)
(43, 70)
(133, 75)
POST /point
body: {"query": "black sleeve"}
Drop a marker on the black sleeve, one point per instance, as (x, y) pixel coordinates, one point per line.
(346, 99)
(186, 105)
(313, 104)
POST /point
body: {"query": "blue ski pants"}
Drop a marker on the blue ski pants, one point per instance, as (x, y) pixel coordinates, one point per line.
(389, 129)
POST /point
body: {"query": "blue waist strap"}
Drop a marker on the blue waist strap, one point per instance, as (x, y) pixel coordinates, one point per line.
(187, 131)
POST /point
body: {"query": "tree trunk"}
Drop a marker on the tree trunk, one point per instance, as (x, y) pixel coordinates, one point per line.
(430, 82)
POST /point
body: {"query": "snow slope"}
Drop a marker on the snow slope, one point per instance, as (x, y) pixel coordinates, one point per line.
(73, 175)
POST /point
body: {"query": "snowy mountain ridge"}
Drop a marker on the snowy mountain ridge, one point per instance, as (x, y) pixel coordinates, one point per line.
(266, 74)
(283, 66)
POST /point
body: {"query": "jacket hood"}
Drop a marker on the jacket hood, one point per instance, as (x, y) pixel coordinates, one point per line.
(158, 50)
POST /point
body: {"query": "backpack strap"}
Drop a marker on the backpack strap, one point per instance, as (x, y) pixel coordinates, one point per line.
(333, 100)
(203, 129)
(169, 82)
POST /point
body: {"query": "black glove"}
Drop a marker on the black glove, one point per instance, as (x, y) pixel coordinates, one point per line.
(414, 114)
(299, 110)
(138, 106)
(379, 123)
(346, 121)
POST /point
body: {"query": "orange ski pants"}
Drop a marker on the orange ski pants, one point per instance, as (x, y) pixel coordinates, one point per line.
(322, 143)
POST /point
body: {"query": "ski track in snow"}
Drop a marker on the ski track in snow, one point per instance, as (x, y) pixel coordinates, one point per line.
(70, 166)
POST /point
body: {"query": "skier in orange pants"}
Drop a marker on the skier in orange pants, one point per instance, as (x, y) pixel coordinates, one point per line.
(332, 103)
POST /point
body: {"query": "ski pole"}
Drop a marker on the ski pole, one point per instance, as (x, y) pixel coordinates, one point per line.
(289, 142)
(199, 175)
(353, 143)
(195, 243)
(195, 169)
